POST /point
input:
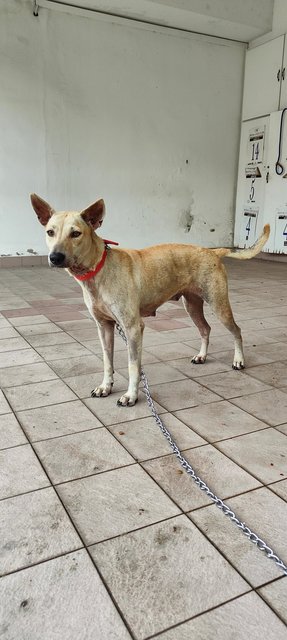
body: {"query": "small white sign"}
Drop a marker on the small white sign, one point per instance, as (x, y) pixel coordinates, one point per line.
(255, 146)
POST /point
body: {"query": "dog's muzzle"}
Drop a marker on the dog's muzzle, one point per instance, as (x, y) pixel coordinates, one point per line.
(57, 259)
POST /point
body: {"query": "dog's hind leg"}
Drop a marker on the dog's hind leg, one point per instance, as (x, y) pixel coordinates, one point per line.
(106, 335)
(134, 334)
(217, 298)
(194, 307)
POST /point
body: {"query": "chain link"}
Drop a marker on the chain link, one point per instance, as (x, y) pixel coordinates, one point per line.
(251, 535)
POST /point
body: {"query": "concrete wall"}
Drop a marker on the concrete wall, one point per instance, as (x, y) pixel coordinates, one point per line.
(145, 117)
(279, 24)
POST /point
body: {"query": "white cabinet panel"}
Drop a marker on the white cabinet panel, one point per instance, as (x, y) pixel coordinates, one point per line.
(283, 95)
(262, 79)
(251, 181)
(275, 206)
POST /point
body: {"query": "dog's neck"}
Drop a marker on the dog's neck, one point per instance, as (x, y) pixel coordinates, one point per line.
(90, 259)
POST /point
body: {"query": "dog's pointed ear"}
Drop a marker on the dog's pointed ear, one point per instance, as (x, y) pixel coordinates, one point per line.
(43, 210)
(94, 214)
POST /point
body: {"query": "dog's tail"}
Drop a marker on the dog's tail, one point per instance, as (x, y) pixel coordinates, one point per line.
(246, 254)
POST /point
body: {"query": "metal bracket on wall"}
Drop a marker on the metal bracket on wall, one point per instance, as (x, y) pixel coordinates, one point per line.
(35, 9)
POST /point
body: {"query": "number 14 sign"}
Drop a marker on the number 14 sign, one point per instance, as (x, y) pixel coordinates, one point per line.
(256, 145)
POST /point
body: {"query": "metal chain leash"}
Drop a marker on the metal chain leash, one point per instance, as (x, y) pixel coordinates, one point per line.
(251, 535)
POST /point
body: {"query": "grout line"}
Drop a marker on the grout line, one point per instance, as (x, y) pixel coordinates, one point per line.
(35, 564)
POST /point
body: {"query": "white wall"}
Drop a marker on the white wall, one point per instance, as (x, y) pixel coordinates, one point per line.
(224, 18)
(280, 17)
(279, 24)
(147, 118)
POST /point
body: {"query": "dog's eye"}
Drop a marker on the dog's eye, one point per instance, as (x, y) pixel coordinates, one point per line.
(75, 234)
(50, 232)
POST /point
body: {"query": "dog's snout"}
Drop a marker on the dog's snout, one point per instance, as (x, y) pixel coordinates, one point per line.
(57, 259)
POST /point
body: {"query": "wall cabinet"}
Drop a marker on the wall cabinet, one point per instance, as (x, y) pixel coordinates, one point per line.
(261, 189)
(265, 81)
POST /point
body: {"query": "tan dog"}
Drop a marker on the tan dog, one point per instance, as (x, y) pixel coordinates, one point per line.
(123, 286)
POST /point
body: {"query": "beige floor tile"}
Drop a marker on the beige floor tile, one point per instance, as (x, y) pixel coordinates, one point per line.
(14, 304)
(49, 339)
(24, 374)
(219, 420)
(84, 384)
(69, 367)
(4, 406)
(20, 471)
(222, 475)
(158, 338)
(112, 503)
(216, 344)
(251, 356)
(233, 384)
(94, 346)
(245, 617)
(171, 351)
(283, 427)
(81, 454)
(263, 453)
(11, 434)
(269, 406)
(57, 420)
(36, 329)
(59, 351)
(39, 394)
(4, 324)
(274, 374)
(144, 440)
(182, 394)
(8, 332)
(264, 513)
(17, 358)
(280, 488)
(13, 344)
(158, 373)
(186, 575)
(121, 359)
(275, 595)
(62, 596)
(196, 371)
(34, 527)
(275, 351)
(21, 321)
(108, 412)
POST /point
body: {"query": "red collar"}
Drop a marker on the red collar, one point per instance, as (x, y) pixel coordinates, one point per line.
(90, 274)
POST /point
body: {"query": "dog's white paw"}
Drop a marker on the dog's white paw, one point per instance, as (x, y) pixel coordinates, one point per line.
(198, 359)
(238, 365)
(102, 391)
(127, 401)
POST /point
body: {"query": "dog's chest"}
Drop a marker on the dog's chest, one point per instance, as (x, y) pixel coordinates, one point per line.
(93, 299)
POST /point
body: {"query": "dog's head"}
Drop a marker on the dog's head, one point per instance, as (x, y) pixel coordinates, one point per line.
(69, 234)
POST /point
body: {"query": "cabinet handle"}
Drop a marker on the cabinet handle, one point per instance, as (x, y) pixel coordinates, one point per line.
(283, 74)
(278, 75)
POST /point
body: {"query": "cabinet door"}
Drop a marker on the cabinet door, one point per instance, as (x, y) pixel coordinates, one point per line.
(283, 95)
(251, 185)
(262, 79)
(275, 205)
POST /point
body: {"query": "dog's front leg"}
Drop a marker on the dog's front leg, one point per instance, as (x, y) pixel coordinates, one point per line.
(106, 335)
(134, 336)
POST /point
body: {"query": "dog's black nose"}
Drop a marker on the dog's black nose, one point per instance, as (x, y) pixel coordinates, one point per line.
(57, 259)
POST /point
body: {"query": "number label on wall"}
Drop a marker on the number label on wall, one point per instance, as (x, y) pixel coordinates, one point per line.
(256, 145)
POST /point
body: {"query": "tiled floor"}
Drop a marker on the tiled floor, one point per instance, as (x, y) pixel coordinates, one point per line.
(102, 534)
